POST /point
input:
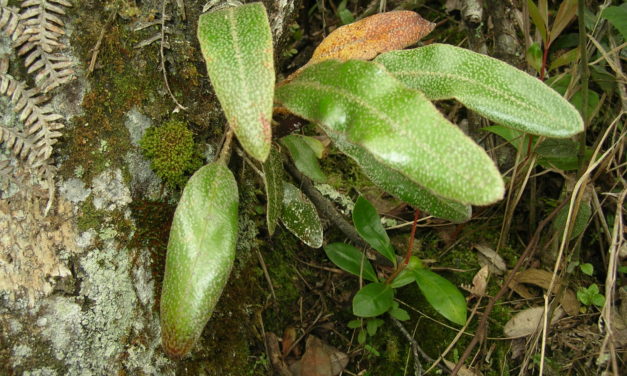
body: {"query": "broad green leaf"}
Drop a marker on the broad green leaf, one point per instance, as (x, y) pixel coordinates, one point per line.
(402, 187)
(442, 295)
(273, 179)
(587, 269)
(368, 225)
(581, 221)
(350, 259)
(236, 43)
(404, 278)
(486, 85)
(354, 324)
(373, 300)
(617, 16)
(299, 216)
(399, 127)
(534, 57)
(201, 252)
(400, 314)
(559, 153)
(373, 325)
(316, 145)
(304, 157)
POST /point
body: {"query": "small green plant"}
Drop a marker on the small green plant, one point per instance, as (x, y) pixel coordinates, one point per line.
(171, 151)
(379, 113)
(377, 297)
(590, 296)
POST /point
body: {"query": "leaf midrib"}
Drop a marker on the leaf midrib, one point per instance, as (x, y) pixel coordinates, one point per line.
(385, 118)
(483, 86)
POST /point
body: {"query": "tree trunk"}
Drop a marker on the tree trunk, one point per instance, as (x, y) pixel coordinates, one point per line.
(79, 287)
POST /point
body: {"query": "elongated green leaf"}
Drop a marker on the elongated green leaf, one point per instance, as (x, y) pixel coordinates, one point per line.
(398, 126)
(273, 179)
(442, 295)
(368, 225)
(402, 187)
(488, 86)
(617, 16)
(350, 259)
(373, 300)
(539, 19)
(304, 157)
(565, 14)
(201, 251)
(237, 45)
(299, 216)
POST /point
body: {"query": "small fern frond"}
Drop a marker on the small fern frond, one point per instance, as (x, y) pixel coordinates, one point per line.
(10, 23)
(43, 28)
(41, 126)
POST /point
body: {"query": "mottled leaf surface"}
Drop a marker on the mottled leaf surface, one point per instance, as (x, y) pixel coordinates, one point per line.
(236, 43)
(273, 179)
(373, 35)
(201, 251)
(350, 259)
(304, 157)
(300, 217)
(402, 187)
(442, 295)
(486, 85)
(398, 126)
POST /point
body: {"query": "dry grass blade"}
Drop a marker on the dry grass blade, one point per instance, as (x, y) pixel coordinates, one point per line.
(575, 200)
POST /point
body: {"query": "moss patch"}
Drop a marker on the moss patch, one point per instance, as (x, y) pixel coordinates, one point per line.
(171, 151)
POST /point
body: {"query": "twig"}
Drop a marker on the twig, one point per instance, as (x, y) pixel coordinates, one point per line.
(266, 274)
(96, 49)
(414, 347)
(161, 52)
(529, 250)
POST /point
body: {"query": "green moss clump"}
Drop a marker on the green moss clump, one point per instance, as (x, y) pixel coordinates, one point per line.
(171, 151)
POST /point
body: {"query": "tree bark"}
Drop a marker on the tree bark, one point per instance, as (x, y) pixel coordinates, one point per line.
(79, 287)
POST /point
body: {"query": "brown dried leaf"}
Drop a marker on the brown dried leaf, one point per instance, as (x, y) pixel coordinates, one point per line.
(464, 371)
(487, 256)
(542, 278)
(479, 282)
(320, 359)
(366, 38)
(526, 322)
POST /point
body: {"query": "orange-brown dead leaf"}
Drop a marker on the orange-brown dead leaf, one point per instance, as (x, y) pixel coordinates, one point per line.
(542, 278)
(373, 35)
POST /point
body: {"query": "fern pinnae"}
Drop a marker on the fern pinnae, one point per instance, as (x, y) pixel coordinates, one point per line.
(43, 28)
(10, 23)
(40, 122)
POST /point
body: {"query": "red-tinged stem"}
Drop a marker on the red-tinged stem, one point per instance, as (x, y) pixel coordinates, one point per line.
(545, 56)
(410, 247)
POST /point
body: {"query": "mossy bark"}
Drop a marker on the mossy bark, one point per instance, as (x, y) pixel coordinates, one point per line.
(81, 294)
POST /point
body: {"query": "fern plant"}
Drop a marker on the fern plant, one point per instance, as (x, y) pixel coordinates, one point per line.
(36, 32)
(379, 113)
